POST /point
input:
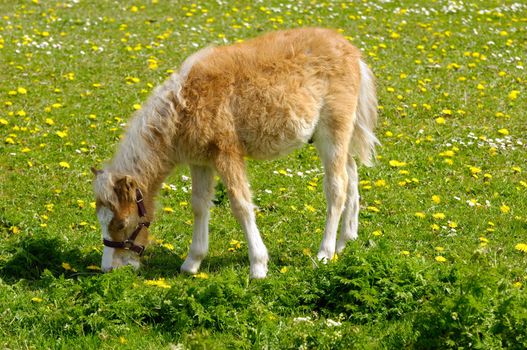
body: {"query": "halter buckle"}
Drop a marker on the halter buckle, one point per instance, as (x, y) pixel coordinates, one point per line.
(128, 244)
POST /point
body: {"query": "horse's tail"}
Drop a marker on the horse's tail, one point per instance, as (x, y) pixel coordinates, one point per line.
(364, 140)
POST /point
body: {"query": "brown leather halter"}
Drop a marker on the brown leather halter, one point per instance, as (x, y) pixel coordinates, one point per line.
(129, 244)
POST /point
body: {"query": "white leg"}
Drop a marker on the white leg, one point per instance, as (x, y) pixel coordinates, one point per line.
(350, 217)
(232, 172)
(335, 186)
(202, 194)
(244, 212)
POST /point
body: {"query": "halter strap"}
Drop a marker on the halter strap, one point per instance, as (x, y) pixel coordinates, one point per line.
(140, 203)
(129, 244)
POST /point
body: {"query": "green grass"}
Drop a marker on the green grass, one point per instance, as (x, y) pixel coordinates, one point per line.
(452, 89)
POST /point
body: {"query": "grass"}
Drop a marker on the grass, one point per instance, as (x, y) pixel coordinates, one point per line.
(442, 251)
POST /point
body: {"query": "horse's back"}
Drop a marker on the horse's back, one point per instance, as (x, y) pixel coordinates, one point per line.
(267, 93)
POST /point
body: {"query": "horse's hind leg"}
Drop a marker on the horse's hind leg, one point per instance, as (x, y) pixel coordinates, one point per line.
(332, 145)
(232, 171)
(350, 217)
(202, 194)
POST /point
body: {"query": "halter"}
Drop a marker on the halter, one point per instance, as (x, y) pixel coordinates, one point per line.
(129, 244)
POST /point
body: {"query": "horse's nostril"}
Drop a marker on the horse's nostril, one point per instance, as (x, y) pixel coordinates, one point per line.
(106, 269)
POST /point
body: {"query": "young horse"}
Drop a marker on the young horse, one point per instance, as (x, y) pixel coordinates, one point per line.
(261, 99)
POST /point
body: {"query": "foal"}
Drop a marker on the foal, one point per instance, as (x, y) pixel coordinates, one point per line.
(260, 99)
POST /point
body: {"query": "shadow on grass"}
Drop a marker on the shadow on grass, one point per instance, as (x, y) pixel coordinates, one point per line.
(162, 263)
(31, 256)
(227, 260)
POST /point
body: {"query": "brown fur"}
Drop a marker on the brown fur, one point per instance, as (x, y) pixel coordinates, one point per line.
(261, 98)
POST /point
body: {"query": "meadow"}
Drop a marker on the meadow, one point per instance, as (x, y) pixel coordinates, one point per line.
(441, 258)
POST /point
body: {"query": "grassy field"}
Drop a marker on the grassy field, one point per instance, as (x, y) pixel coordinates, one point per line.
(441, 259)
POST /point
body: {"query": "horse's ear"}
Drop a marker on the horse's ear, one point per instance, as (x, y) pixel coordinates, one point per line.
(124, 188)
(95, 171)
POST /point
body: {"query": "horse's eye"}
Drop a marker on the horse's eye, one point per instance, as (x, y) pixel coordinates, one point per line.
(118, 225)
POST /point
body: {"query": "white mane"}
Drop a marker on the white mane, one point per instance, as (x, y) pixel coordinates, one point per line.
(178, 79)
(144, 150)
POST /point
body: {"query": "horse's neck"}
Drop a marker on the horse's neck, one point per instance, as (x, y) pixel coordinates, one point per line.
(146, 150)
(143, 161)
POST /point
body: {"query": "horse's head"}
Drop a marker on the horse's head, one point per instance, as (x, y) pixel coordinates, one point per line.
(122, 215)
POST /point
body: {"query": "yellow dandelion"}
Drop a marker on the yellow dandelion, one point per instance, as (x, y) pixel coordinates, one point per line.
(505, 209)
(310, 208)
(380, 183)
(503, 132)
(201, 275)
(21, 91)
(284, 269)
(66, 266)
(405, 252)
(439, 216)
(160, 282)
(168, 210)
(168, 246)
(397, 164)
(447, 153)
(64, 165)
(522, 247)
(436, 199)
(235, 244)
(132, 80)
(440, 259)
(513, 94)
(420, 215)
(474, 170)
(61, 134)
(373, 209)
(37, 300)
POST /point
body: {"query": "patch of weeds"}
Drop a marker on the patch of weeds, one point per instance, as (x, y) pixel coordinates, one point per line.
(474, 314)
(29, 257)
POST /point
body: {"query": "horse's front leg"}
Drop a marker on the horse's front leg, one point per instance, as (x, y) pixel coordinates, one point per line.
(202, 194)
(232, 171)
